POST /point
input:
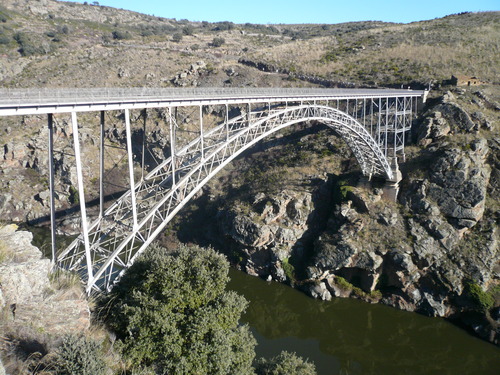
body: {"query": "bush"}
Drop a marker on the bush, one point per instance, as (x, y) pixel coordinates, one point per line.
(79, 356)
(64, 29)
(188, 30)
(121, 35)
(4, 39)
(289, 270)
(285, 364)
(482, 299)
(224, 25)
(173, 312)
(177, 37)
(218, 41)
(28, 46)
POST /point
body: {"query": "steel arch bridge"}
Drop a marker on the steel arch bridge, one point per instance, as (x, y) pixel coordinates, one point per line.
(373, 123)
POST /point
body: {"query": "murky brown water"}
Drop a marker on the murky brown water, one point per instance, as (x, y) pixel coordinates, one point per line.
(351, 337)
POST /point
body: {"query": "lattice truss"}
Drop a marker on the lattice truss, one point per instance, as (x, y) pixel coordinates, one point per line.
(374, 129)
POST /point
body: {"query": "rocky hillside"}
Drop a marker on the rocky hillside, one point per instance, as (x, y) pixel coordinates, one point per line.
(47, 43)
(294, 209)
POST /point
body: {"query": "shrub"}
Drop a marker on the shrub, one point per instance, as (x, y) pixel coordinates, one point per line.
(4, 39)
(343, 283)
(482, 299)
(74, 196)
(188, 30)
(285, 364)
(79, 356)
(28, 46)
(289, 270)
(65, 29)
(218, 41)
(121, 35)
(224, 25)
(177, 37)
(3, 17)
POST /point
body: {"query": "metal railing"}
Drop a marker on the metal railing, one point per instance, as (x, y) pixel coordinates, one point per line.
(89, 95)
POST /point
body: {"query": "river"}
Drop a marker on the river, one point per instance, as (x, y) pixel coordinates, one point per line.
(351, 337)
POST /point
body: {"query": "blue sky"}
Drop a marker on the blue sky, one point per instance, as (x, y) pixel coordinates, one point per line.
(302, 11)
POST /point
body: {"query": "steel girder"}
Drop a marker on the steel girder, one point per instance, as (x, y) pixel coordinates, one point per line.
(127, 227)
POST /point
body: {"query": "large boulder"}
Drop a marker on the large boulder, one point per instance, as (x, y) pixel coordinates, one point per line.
(27, 292)
(23, 274)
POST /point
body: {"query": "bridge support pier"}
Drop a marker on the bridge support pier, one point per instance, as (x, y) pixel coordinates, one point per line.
(391, 187)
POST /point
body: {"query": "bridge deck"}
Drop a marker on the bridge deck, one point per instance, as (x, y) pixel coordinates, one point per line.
(14, 102)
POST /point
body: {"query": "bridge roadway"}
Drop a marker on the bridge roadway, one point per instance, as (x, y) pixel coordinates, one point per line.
(373, 122)
(15, 102)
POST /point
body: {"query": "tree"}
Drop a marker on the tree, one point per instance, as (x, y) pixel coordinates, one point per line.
(285, 364)
(173, 312)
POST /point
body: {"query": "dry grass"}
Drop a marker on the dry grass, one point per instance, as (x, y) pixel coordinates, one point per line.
(424, 51)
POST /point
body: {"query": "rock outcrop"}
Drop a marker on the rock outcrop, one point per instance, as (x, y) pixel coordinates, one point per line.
(273, 228)
(189, 77)
(27, 293)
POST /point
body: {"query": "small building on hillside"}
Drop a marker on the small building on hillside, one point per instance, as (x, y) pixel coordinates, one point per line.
(461, 80)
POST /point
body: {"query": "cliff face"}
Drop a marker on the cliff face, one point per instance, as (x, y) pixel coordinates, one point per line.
(435, 251)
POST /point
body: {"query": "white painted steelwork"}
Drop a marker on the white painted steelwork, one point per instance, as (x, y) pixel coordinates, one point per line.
(372, 122)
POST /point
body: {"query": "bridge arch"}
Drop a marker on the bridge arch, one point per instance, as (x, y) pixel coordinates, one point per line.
(119, 236)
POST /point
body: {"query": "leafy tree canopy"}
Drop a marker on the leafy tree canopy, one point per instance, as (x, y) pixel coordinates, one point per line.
(285, 364)
(173, 312)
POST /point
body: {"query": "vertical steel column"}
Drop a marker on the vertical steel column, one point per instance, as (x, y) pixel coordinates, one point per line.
(227, 122)
(386, 124)
(371, 117)
(81, 198)
(131, 167)
(52, 190)
(395, 127)
(379, 120)
(364, 113)
(405, 108)
(202, 141)
(101, 169)
(172, 145)
(143, 161)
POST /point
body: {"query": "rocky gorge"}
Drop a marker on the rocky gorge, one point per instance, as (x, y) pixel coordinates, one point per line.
(335, 234)
(294, 209)
(433, 251)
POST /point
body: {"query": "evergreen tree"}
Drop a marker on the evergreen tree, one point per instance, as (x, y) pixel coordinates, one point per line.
(285, 364)
(172, 312)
